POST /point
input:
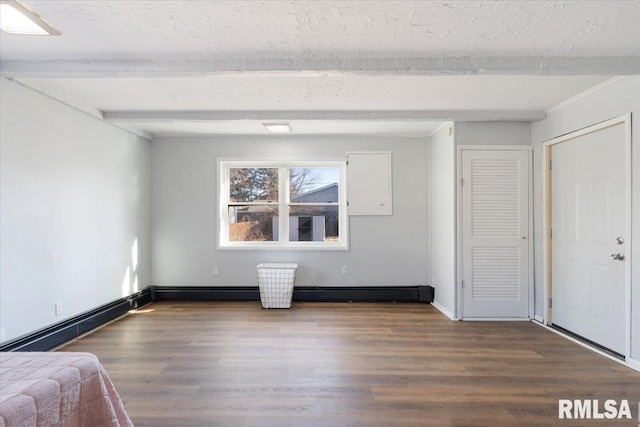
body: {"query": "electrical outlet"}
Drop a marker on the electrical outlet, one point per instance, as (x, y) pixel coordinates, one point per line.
(216, 272)
(345, 270)
(59, 309)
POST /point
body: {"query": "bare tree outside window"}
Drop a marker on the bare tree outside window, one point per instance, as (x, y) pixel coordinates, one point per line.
(303, 180)
(261, 184)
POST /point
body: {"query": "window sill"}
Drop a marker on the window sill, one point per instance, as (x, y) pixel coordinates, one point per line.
(261, 246)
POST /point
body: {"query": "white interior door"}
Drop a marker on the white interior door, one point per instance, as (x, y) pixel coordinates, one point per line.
(588, 226)
(495, 233)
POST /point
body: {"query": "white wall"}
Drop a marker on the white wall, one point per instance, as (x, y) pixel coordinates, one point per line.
(493, 133)
(74, 197)
(384, 250)
(611, 101)
(443, 220)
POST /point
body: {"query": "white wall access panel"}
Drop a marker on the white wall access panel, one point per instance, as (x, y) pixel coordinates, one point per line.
(369, 183)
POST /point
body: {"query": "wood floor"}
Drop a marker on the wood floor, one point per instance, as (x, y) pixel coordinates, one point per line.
(346, 364)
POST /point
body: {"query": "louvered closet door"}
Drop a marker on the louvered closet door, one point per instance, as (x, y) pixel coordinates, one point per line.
(495, 240)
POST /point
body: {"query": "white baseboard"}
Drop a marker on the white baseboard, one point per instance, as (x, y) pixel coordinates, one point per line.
(444, 310)
(538, 319)
(633, 363)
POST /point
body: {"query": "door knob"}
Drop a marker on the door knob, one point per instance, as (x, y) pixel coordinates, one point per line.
(617, 257)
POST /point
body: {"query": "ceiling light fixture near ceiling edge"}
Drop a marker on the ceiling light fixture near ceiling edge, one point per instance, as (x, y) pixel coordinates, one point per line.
(277, 127)
(17, 19)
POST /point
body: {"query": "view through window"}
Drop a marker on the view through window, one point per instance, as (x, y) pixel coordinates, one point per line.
(284, 205)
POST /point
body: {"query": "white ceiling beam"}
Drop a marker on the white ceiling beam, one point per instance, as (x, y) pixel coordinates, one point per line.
(513, 65)
(351, 115)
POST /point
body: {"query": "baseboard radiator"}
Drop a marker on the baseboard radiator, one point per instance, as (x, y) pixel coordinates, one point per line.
(55, 335)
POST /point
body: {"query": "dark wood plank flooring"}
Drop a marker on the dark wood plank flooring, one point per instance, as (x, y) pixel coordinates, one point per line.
(346, 364)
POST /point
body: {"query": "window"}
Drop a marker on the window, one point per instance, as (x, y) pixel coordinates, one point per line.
(268, 205)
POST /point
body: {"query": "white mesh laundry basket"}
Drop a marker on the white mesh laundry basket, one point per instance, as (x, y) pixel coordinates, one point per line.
(275, 281)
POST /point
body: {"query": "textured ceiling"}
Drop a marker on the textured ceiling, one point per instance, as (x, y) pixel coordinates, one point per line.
(467, 59)
(213, 29)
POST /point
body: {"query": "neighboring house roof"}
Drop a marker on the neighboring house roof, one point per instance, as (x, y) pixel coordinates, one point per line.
(326, 194)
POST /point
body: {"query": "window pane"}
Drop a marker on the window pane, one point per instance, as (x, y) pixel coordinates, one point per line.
(255, 223)
(313, 224)
(253, 184)
(314, 184)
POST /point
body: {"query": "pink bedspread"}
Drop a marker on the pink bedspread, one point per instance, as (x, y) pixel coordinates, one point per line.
(57, 389)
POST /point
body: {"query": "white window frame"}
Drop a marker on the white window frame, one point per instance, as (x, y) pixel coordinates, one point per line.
(283, 243)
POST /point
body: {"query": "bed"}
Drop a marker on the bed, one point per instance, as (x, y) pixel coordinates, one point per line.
(57, 389)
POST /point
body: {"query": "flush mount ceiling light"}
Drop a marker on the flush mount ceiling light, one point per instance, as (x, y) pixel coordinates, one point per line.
(277, 127)
(17, 19)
